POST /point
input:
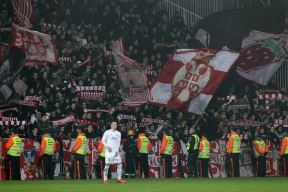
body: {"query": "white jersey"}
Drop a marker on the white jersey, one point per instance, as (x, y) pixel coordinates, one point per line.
(111, 139)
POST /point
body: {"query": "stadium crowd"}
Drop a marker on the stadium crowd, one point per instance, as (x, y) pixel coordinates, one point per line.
(83, 32)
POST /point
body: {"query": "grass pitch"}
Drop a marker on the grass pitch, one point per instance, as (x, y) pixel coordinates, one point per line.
(275, 184)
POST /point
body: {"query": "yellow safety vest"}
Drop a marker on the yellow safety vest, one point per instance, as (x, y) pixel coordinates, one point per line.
(261, 144)
(205, 153)
(196, 145)
(102, 154)
(236, 144)
(286, 150)
(83, 148)
(144, 144)
(168, 148)
(50, 143)
(16, 149)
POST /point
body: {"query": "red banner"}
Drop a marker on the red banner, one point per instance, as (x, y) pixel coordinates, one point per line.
(155, 164)
(67, 146)
(29, 160)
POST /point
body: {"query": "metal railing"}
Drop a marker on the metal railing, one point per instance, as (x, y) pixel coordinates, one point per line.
(173, 7)
(281, 77)
(193, 10)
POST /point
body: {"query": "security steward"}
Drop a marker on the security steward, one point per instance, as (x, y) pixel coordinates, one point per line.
(47, 151)
(193, 151)
(284, 153)
(80, 150)
(144, 147)
(261, 150)
(131, 152)
(204, 153)
(166, 150)
(233, 153)
(14, 148)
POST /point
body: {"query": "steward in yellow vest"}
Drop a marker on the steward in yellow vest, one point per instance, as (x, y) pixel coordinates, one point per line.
(233, 153)
(260, 149)
(14, 148)
(166, 150)
(80, 150)
(144, 147)
(204, 153)
(192, 148)
(47, 151)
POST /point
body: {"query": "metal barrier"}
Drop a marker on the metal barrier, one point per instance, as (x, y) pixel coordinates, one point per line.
(281, 77)
(173, 7)
(193, 10)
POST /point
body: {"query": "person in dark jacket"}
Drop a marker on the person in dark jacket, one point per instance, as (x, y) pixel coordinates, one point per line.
(130, 148)
(193, 151)
(272, 137)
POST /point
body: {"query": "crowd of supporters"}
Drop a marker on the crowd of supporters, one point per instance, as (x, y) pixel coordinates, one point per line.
(83, 31)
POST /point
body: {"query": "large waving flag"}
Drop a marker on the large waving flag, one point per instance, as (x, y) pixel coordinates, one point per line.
(190, 78)
(39, 47)
(261, 56)
(132, 77)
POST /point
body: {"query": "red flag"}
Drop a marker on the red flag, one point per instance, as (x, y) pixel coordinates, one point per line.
(190, 78)
(38, 47)
(132, 77)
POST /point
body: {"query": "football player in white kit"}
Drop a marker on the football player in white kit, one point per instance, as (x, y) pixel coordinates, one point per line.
(111, 140)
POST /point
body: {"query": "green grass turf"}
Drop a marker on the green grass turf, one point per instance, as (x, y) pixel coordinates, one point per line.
(275, 184)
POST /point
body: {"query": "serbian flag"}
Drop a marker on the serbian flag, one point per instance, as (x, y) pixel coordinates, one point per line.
(261, 56)
(38, 47)
(190, 78)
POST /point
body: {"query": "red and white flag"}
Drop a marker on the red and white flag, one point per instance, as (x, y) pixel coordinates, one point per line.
(261, 56)
(190, 78)
(132, 77)
(23, 11)
(38, 47)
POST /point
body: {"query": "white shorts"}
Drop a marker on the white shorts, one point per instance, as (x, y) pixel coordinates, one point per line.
(113, 159)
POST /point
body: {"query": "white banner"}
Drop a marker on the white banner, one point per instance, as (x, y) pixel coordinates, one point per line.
(37, 46)
(261, 56)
